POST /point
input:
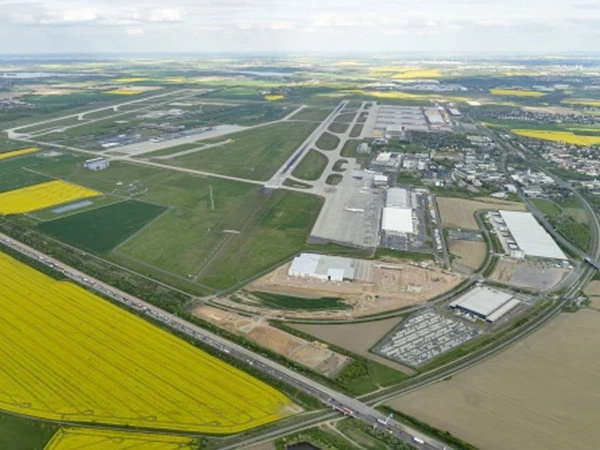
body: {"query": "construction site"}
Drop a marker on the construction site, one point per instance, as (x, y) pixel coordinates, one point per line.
(378, 286)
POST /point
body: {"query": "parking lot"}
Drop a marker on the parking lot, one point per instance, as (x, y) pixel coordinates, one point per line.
(424, 337)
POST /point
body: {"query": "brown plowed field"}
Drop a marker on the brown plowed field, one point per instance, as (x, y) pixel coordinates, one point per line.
(540, 394)
(459, 212)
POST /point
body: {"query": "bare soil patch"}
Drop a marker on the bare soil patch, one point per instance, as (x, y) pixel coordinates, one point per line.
(314, 355)
(540, 394)
(459, 212)
(528, 274)
(391, 285)
(357, 338)
(592, 289)
(470, 254)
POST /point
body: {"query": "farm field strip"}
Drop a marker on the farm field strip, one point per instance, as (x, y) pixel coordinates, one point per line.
(97, 365)
(42, 196)
(559, 136)
(14, 153)
(93, 439)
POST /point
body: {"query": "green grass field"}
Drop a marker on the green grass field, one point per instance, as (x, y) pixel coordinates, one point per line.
(18, 433)
(100, 230)
(287, 302)
(311, 167)
(340, 165)
(197, 239)
(356, 130)
(14, 176)
(547, 207)
(255, 154)
(327, 141)
(316, 114)
(334, 179)
(338, 127)
(345, 117)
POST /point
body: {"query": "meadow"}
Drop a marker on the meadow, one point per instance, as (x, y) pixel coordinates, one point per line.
(460, 213)
(100, 230)
(254, 154)
(559, 136)
(42, 196)
(311, 167)
(314, 114)
(97, 439)
(327, 141)
(98, 368)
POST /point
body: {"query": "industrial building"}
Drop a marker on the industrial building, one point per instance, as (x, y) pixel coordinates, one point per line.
(323, 267)
(394, 121)
(386, 162)
(397, 221)
(486, 303)
(529, 236)
(96, 164)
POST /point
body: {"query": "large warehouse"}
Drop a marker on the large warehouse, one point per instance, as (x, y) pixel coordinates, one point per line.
(486, 303)
(530, 236)
(322, 267)
(397, 220)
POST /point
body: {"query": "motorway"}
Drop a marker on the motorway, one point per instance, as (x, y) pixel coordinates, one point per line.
(335, 400)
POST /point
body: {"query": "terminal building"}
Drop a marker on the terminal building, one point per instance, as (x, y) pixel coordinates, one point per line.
(486, 303)
(323, 267)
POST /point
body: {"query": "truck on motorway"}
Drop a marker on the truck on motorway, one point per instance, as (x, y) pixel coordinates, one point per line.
(418, 440)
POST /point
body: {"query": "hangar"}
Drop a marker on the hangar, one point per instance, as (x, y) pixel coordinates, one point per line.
(486, 303)
(323, 267)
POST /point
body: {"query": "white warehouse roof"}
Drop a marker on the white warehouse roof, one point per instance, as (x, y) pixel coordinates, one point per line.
(323, 267)
(488, 303)
(397, 198)
(398, 220)
(531, 236)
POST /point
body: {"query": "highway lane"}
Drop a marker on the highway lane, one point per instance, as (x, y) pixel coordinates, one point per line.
(333, 399)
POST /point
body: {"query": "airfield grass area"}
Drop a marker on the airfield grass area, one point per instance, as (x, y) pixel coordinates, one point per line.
(254, 154)
(311, 167)
(356, 130)
(314, 114)
(14, 176)
(216, 231)
(327, 141)
(98, 366)
(339, 128)
(460, 213)
(97, 439)
(100, 230)
(542, 392)
(42, 196)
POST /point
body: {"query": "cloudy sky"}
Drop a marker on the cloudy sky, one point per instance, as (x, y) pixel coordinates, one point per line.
(460, 26)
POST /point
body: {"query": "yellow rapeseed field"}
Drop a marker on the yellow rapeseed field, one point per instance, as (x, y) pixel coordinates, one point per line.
(582, 102)
(516, 92)
(559, 136)
(23, 151)
(42, 196)
(66, 354)
(129, 80)
(95, 439)
(274, 97)
(123, 92)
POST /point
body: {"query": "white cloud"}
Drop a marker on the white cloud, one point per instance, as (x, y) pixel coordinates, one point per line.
(165, 15)
(135, 31)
